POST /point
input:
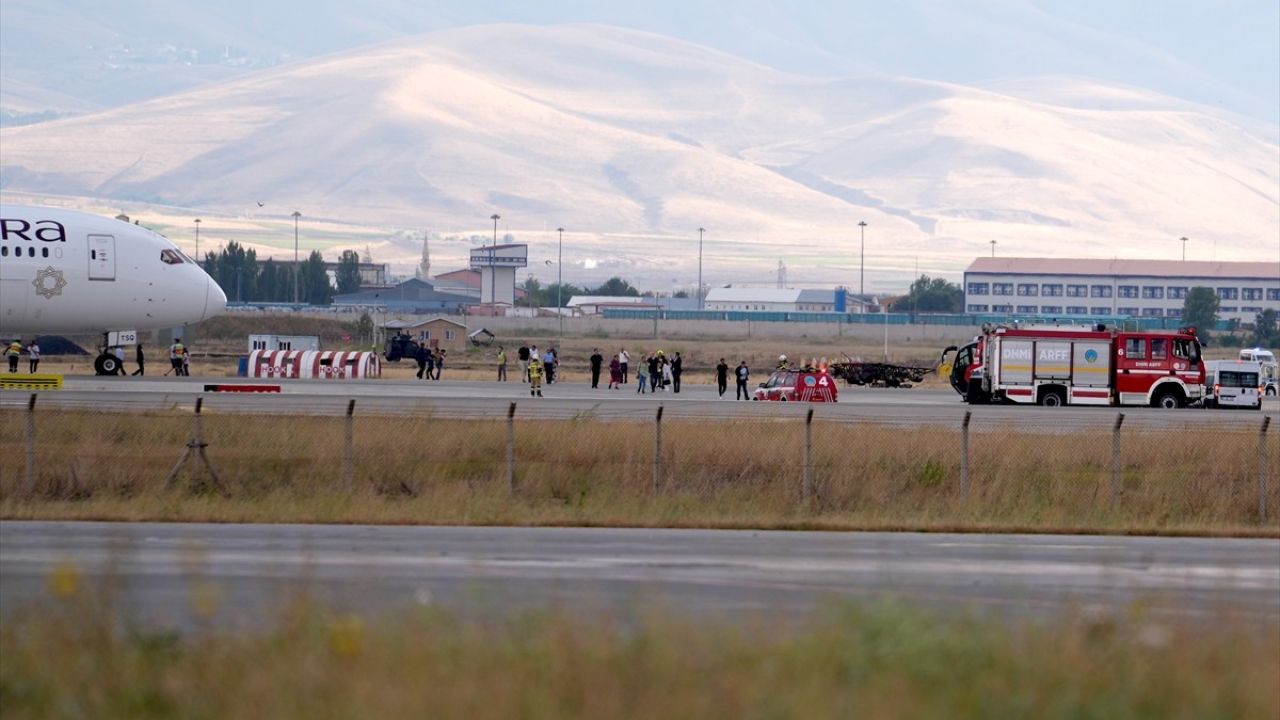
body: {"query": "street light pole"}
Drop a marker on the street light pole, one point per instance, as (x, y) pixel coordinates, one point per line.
(493, 274)
(198, 243)
(1184, 249)
(560, 283)
(993, 248)
(862, 261)
(296, 215)
(700, 232)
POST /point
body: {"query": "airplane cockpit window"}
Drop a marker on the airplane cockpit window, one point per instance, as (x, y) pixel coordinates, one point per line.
(171, 257)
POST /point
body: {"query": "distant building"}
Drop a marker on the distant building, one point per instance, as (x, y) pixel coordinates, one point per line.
(465, 282)
(436, 332)
(284, 342)
(1127, 288)
(784, 300)
(414, 296)
(497, 265)
(596, 304)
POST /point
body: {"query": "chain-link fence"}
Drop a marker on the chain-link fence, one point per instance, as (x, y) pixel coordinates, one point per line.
(1071, 470)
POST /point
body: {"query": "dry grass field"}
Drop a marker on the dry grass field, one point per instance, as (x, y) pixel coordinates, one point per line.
(590, 471)
(76, 657)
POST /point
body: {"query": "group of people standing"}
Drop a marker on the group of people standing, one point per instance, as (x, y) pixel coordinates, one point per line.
(662, 372)
(536, 366)
(14, 350)
(655, 372)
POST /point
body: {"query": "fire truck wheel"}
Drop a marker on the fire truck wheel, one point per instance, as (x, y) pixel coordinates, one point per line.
(1168, 400)
(976, 396)
(1053, 397)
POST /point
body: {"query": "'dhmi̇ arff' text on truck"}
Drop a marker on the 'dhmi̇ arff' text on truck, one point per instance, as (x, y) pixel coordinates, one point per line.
(1056, 366)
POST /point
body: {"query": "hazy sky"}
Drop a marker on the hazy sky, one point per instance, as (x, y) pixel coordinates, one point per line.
(1224, 53)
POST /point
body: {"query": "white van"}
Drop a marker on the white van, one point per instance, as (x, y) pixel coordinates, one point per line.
(1233, 383)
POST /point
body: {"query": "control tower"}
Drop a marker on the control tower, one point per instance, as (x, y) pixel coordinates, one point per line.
(497, 265)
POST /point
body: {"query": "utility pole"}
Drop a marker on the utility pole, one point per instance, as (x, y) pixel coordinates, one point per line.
(560, 283)
(493, 274)
(296, 215)
(700, 232)
(862, 261)
(993, 248)
(1184, 245)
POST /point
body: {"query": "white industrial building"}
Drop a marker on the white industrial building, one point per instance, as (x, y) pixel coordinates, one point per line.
(1132, 288)
(783, 300)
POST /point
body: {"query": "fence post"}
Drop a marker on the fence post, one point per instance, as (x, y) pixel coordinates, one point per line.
(511, 448)
(1262, 468)
(806, 492)
(657, 451)
(30, 484)
(348, 447)
(1117, 484)
(964, 455)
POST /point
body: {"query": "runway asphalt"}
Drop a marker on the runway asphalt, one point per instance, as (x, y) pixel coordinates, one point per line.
(157, 570)
(475, 399)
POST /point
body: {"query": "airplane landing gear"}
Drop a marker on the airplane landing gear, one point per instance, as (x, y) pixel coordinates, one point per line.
(107, 365)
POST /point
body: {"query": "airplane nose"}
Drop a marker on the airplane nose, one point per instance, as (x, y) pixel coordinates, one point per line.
(215, 301)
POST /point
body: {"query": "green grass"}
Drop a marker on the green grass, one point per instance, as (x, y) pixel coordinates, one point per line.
(586, 471)
(75, 658)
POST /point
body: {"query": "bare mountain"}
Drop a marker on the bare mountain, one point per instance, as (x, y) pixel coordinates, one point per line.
(634, 140)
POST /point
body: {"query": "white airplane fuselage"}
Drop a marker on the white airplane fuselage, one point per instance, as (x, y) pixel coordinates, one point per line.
(70, 272)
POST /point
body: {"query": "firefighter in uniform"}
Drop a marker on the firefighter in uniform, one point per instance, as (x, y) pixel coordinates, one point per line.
(535, 376)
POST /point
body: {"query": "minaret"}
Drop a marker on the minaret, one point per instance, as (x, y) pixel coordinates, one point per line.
(424, 267)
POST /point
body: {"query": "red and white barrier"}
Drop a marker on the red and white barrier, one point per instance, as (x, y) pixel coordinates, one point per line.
(313, 364)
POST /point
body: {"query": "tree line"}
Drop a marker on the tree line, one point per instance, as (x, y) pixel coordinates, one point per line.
(557, 295)
(243, 279)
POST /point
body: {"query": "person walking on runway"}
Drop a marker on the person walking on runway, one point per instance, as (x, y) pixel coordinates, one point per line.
(597, 360)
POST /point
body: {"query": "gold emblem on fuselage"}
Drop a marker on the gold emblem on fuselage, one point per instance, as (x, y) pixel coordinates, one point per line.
(49, 282)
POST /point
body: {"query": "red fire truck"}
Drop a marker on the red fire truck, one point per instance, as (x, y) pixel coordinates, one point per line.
(1075, 365)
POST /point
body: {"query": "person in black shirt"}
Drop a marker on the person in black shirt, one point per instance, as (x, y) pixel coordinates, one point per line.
(141, 362)
(523, 354)
(722, 377)
(743, 374)
(597, 360)
(677, 367)
(421, 357)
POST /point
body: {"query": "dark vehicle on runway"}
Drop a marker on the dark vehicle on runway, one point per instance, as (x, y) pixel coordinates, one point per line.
(400, 347)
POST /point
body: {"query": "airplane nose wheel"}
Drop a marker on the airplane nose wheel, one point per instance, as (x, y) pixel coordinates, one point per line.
(107, 365)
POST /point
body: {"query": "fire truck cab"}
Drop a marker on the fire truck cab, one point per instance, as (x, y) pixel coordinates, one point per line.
(1071, 365)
